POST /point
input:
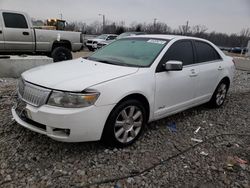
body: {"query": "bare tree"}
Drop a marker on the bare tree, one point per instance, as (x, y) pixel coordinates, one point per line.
(245, 32)
(244, 36)
(36, 22)
(184, 29)
(220, 39)
(198, 29)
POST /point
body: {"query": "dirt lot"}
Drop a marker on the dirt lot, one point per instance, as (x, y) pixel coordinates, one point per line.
(84, 53)
(161, 158)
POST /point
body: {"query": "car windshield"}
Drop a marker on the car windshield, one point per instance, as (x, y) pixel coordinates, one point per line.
(102, 37)
(136, 52)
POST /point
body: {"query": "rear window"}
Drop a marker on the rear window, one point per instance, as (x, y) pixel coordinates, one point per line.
(206, 52)
(14, 20)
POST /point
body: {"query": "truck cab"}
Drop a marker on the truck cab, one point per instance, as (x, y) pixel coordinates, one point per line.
(17, 35)
(15, 32)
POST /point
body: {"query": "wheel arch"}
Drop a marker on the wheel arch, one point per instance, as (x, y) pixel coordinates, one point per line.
(226, 79)
(63, 43)
(139, 97)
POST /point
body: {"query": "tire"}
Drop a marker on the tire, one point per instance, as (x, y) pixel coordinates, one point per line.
(61, 54)
(125, 124)
(90, 49)
(219, 95)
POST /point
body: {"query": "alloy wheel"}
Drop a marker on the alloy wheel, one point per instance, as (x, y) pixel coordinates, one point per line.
(221, 94)
(128, 124)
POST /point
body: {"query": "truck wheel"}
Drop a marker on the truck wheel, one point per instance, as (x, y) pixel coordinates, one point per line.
(90, 48)
(61, 54)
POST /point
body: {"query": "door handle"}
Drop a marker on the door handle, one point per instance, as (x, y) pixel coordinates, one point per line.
(193, 73)
(26, 33)
(1, 32)
(220, 68)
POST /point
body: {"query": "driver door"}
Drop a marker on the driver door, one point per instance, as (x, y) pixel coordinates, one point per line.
(175, 90)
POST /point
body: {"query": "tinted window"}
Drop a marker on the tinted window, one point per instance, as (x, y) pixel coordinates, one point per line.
(180, 51)
(205, 52)
(13, 20)
(111, 38)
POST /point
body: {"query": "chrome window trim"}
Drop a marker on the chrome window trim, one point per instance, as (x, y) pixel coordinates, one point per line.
(203, 63)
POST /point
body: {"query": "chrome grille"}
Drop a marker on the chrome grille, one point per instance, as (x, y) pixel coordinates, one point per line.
(32, 94)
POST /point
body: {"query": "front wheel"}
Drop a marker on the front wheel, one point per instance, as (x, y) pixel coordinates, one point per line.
(219, 95)
(61, 54)
(125, 124)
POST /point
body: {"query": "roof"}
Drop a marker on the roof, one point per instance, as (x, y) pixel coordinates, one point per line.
(167, 37)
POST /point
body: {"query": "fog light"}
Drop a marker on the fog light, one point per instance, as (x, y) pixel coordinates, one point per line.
(61, 132)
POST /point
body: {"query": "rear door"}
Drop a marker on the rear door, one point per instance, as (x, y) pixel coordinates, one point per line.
(208, 63)
(17, 34)
(175, 90)
(1, 35)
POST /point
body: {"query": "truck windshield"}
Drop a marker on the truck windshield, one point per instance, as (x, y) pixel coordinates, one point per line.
(136, 52)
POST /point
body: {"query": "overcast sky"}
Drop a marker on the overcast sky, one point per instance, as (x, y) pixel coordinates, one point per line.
(228, 16)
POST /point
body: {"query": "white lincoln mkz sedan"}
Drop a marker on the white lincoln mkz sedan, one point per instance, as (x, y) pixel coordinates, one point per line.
(115, 92)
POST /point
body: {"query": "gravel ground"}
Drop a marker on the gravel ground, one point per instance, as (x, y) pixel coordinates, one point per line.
(161, 158)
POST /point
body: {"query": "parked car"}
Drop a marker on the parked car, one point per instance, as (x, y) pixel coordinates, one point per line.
(17, 35)
(224, 48)
(123, 35)
(238, 50)
(115, 92)
(92, 43)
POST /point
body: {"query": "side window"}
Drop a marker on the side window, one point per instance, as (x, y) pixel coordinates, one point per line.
(14, 20)
(179, 51)
(205, 52)
(111, 37)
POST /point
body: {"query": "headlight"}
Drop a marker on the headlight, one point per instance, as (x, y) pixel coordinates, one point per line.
(72, 100)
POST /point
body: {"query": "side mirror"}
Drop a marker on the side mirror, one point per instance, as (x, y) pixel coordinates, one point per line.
(173, 66)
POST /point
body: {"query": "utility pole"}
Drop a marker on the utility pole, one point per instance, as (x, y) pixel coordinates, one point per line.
(155, 19)
(187, 27)
(103, 22)
(61, 16)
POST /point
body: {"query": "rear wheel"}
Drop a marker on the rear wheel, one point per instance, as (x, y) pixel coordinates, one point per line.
(90, 48)
(61, 54)
(125, 124)
(219, 95)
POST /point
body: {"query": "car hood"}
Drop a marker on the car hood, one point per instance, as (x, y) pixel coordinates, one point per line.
(98, 40)
(106, 42)
(75, 75)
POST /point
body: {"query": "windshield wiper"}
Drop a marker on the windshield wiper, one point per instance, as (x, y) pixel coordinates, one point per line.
(113, 61)
(107, 61)
(121, 62)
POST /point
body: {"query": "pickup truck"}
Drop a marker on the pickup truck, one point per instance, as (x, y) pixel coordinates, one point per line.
(17, 35)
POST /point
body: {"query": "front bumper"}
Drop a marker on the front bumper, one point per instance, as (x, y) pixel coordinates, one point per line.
(66, 125)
